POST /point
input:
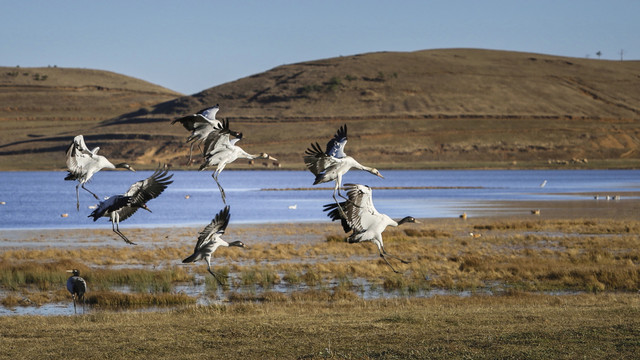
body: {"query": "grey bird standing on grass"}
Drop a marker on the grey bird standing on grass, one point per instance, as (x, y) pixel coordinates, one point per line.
(77, 287)
(84, 163)
(120, 207)
(361, 217)
(333, 163)
(209, 240)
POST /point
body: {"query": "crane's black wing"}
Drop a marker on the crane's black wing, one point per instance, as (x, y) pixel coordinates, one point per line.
(190, 122)
(317, 161)
(334, 213)
(217, 226)
(144, 190)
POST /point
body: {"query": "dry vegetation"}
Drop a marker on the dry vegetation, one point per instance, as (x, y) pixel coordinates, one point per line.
(455, 108)
(528, 287)
(443, 327)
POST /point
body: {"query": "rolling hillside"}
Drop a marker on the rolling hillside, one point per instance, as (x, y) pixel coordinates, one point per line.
(426, 109)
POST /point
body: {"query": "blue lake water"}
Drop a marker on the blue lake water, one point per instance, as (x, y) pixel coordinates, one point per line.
(37, 200)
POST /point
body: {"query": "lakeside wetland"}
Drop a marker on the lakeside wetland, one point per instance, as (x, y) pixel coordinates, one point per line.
(560, 284)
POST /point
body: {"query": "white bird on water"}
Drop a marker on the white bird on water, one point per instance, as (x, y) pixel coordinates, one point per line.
(333, 163)
(77, 287)
(220, 151)
(209, 241)
(84, 163)
(120, 207)
(362, 218)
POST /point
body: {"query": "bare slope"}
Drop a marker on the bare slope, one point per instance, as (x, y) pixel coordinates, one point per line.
(41, 109)
(435, 108)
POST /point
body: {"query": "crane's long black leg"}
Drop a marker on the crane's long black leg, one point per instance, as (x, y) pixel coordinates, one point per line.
(91, 192)
(388, 263)
(190, 153)
(215, 276)
(78, 196)
(394, 257)
(74, 303)
(222, 194)
(116, 229)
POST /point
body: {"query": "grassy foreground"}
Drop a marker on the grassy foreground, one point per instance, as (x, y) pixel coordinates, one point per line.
(514, 326)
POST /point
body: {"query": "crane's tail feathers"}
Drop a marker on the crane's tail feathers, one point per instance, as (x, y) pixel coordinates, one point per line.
(320, 178)
(71, 176)
(190, 259)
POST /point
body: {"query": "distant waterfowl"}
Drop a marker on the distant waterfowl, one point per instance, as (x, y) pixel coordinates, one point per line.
(544, 183)
(209, 240)
(333, 163)
(535, 211)
(220, 151)
(120, 207)
(83, 163)
(362, 218)
(77, 287)
(201, 124)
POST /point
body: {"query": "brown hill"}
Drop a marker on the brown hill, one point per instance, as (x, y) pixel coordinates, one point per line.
(41, 109)
(436, 108)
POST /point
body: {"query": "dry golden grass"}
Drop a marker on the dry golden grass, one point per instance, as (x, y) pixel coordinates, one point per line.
(590, 326)
(591, 264)
(510, 255)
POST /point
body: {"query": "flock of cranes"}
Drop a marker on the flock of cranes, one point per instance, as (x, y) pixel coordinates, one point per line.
(217, 145)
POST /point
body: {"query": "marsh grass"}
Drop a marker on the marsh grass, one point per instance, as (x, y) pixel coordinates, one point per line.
(512, 254)
(107, 299)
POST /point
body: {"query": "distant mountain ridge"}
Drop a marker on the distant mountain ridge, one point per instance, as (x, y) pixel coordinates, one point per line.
(424, 109)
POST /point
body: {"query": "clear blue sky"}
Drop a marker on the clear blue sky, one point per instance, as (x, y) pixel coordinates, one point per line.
(189, 46)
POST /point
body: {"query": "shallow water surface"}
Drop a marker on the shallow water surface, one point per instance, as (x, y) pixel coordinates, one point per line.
(44, 200)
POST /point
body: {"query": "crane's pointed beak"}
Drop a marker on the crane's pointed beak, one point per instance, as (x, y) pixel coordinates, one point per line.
(380, 175)
(146, 208)
(131, 169)
(272, 158)
(69, 271)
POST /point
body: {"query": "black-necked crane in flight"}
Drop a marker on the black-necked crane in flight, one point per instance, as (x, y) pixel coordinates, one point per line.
(120, 207)
(220, 151)
(363, 220)
(333, 163)
(77, 287)
(83, 163)
(201, 124)
(209, 240)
